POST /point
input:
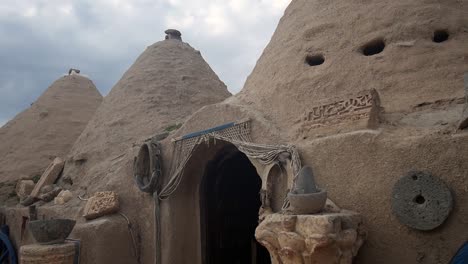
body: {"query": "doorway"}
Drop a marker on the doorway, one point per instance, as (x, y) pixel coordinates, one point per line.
(230, 201)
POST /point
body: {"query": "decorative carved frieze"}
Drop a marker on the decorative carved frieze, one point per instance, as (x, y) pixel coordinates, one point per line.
(358, 111)
(353, 108)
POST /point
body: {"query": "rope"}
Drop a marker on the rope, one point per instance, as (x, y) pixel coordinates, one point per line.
(157, 229)
(265, 154)
(82, 199)
(147, 168)
(129, 226)
(148, 171)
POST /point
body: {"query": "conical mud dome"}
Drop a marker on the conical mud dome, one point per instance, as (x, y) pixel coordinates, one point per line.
(48, 128)
(165, 85)
(411, 52)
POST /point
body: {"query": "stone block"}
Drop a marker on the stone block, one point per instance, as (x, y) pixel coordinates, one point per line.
(50, 195)
(51, 254)
(29, 200)
(24, 188)
(321, 238)
(105, 240)
(63, 197)
(49, 176)
(102, 203)
(339, 115)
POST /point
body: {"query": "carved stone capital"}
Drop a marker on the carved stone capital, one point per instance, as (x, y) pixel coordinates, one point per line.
(319, 238)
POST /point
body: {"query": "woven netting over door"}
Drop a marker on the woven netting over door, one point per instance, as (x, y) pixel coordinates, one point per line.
(148, 172)
(237, 134)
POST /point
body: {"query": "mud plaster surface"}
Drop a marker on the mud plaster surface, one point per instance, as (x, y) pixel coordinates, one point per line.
(48, 128)
(419, 82)
(167, 83)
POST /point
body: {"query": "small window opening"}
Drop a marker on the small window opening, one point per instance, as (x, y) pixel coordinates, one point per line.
(440, 36)
(315, 60)
(373, 47)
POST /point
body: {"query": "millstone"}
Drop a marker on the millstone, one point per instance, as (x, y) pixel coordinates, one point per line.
(421, 201)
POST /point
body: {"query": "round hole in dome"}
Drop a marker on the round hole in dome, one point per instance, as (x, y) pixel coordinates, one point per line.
(440, 35)
(315, 60)
(373, 47)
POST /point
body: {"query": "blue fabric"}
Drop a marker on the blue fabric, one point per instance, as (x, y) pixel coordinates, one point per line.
(6, 248)
(462, 255)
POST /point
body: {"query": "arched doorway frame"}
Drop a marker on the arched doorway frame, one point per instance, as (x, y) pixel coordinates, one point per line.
(184, 204)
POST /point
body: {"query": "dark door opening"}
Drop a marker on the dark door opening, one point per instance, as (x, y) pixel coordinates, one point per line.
(229, 211)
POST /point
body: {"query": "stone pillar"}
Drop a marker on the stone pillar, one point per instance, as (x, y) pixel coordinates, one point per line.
(50, 254)
(306, 239)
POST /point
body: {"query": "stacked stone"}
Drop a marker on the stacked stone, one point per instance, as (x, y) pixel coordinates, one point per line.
(51, 254)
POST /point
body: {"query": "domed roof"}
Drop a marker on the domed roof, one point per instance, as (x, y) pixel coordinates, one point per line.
(48, 128)
(411, 52)
(165, 85)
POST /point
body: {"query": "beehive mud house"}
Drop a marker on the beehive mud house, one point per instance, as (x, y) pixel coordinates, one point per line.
(348, 142)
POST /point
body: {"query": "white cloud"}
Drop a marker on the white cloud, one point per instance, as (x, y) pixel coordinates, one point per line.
(30, 11)
(41, 39)
(180, 22)
(279, 5)
(65, 9)
(217, 21)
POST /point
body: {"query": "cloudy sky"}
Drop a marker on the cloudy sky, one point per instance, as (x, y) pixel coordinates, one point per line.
(41, 39)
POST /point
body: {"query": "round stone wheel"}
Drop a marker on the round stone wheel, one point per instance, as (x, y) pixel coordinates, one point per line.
(421, 201)
(50, 254)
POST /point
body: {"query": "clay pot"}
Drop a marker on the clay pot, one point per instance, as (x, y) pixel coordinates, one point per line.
(307, 203)
(53, 231)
